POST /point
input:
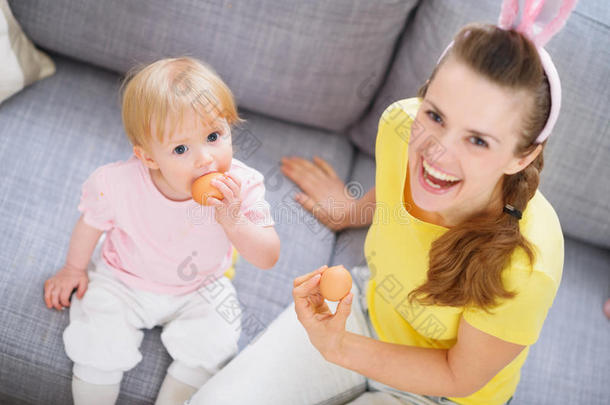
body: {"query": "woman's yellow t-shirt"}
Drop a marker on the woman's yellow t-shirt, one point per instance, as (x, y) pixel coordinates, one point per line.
(396, 251)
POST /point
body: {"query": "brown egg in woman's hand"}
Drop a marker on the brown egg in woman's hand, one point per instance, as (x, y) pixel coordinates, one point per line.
(335, 283)
(201, 188)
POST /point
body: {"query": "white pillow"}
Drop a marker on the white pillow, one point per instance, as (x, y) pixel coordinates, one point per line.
(21, 63)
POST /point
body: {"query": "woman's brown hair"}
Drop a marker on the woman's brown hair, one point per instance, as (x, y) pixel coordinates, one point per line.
(466, 262)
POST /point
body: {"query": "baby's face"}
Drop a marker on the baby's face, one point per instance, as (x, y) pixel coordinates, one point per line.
(199, 146)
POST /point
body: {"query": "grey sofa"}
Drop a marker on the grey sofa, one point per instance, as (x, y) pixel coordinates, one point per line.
(311, 78)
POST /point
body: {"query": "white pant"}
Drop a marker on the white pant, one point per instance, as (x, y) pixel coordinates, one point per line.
(200, 329)
(283, 367)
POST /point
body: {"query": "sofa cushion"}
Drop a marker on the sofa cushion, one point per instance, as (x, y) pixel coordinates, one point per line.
(313, 62)
(575, 178)
(53, 134)
(22, 64)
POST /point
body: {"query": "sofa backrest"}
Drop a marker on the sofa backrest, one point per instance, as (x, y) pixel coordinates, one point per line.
(314, 62)
(576, 176)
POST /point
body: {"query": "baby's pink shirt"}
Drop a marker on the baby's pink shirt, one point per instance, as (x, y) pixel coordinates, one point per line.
(156, 244)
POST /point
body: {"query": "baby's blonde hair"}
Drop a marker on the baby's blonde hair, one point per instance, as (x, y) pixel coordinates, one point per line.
(163, 90)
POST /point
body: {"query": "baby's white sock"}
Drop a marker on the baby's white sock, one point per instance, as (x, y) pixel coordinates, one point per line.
(85, 393)
(174, 392)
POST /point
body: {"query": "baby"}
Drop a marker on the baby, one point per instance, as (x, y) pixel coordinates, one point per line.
(164, 257)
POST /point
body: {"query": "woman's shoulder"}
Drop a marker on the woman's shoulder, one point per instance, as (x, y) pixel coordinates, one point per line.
(401, 109)
(395, 124)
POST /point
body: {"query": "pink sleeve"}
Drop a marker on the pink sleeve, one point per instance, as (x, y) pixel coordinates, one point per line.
(95, 203)
(254, 206)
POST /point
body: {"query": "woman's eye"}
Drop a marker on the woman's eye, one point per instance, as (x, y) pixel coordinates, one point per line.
(213, 137)
(475, 140)
(180, 149)
(434, 116)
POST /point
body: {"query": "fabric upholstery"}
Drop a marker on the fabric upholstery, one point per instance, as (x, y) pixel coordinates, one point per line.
(313, 62)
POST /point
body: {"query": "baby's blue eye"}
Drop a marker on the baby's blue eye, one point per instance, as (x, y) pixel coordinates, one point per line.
(180, 149)
(213, 137)
(475, 140)
(434, 116)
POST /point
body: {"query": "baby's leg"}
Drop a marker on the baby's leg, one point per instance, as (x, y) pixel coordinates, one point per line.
(101, 343)
(94, 394)
(174, 391)
(201, 338)
(282, 367)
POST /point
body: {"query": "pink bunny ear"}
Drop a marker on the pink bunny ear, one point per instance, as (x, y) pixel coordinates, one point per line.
(556, 24)
(539, 20)
(530, 12)
(508, 14)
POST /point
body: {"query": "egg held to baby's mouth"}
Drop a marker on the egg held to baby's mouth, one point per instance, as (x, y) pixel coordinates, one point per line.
(202, 189)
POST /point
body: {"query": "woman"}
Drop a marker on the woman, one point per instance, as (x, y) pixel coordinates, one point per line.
(465, 254)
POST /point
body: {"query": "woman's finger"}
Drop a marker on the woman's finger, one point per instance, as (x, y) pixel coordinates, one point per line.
(315, 209)
(301, 279)
(304, 290)
(299, 175)
(305, 201)
(343, 310)
(301, 296)
(325, 166)
(307, 167)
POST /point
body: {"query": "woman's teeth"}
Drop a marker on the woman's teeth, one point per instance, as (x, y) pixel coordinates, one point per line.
(437, 174)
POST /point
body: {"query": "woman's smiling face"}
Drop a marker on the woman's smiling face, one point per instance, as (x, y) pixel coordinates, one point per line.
(463, 143)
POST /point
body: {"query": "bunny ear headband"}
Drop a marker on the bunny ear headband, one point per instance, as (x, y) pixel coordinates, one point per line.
(538, 20)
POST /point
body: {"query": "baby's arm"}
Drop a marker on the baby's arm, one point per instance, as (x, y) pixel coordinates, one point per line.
(57, 289)
(82, 244)
(259, 245)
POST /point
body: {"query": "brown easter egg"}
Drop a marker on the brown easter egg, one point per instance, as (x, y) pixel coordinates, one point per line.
(335, 283)
(201, 188)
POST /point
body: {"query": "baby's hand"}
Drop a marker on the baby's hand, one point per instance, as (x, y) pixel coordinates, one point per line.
(57, 289)
(228, 209)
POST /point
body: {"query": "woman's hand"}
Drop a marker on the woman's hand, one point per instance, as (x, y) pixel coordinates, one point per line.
(227, 210)
(57, 289)
(325, 329)
(324, 194)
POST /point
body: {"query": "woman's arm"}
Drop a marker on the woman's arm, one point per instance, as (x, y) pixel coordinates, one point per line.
(363, 212)
(458, 372)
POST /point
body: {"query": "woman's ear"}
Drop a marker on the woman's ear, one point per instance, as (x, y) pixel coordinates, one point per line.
(521, 163)
(145, 157)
